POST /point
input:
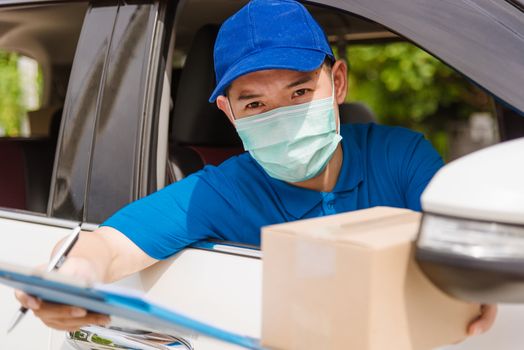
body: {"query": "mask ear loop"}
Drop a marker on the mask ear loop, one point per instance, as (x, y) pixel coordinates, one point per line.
(333, 100)
(332, 87)
(230, 109)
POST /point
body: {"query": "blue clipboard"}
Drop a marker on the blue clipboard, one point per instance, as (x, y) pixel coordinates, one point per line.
(57, 288)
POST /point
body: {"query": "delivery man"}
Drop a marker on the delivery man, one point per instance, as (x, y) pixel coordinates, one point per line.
(279, 84)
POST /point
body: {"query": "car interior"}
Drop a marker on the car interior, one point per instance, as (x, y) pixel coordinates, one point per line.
(49, 35)
(198, 134)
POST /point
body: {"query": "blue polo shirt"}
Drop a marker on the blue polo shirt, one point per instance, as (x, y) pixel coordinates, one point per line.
(382, 166)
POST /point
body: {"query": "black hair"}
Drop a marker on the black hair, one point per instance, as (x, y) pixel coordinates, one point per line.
(328, 63)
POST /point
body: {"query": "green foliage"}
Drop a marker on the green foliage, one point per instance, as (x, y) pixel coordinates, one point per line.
(40, 85)
(99, 340)
(11, 105)
(406, 86)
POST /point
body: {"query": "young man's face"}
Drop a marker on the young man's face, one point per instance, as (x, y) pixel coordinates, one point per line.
(262, 91)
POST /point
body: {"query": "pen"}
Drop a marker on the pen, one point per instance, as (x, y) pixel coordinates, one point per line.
(57, 260)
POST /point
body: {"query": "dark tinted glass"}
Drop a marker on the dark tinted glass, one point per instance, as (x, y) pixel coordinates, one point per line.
(117, 147)
(80, 112)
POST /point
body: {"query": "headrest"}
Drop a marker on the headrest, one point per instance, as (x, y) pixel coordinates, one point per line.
(355, 113)
(195, 120)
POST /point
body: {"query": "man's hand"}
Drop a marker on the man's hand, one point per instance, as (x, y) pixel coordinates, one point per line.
(484, 321)
(64, 317)
(104, 255)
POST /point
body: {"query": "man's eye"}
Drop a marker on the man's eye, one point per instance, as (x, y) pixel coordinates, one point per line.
(253, 105)
(300, 92)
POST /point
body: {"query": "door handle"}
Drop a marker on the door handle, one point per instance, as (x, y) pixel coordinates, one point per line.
(101, 338)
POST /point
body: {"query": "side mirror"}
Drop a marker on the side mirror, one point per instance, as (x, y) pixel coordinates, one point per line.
(471, 239)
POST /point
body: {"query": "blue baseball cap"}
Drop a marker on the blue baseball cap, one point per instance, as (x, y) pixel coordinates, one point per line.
(268, 34)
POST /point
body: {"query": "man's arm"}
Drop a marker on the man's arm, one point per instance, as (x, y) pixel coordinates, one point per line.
(104, 255)
(138, 235)
(113, 255)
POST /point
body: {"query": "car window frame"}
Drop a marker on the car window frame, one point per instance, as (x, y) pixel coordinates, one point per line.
(69, 182)
(144, 144)
(419, 22)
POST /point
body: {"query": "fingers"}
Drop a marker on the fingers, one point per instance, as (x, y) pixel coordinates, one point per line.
(61, 317)
(484, 322)
(57, 311)
(27, 301)
(67, 317)
(73, 324)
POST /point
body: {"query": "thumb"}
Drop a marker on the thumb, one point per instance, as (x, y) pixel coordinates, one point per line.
(27, 301)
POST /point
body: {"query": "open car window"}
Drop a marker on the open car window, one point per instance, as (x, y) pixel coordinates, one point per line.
(37, 47)
(391, 82)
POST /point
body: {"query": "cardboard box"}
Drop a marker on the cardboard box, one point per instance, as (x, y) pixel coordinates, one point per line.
(349, 281)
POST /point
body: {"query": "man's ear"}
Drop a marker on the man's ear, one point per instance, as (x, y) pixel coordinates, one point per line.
(340, 80)
(223, 105)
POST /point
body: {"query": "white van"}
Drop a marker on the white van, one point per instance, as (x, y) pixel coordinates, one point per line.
(117, 76)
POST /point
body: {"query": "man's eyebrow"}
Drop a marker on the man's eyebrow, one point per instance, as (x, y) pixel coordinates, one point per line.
(248, 96)
(300, 81)
(244, 96)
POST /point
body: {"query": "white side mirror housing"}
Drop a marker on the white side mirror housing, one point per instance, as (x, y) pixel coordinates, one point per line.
(471, 239)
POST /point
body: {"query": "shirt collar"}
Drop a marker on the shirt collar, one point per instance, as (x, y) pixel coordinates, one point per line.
(352, 170)
(299, 201)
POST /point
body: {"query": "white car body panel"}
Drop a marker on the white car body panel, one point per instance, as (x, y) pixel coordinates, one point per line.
(26, 244)
(221, 289)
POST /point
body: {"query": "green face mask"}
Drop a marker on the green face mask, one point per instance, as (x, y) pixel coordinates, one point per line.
(292, 143)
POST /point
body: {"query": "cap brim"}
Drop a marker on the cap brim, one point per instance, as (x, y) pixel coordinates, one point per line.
(303, 60)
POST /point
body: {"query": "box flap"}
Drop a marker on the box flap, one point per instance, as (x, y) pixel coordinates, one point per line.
(377, 227)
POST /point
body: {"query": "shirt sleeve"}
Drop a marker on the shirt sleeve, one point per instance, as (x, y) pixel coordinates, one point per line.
(166, 221)
(412, 162)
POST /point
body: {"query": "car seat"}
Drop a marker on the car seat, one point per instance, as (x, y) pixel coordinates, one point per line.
(356, 113)
(200, 133)
(12, 179)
